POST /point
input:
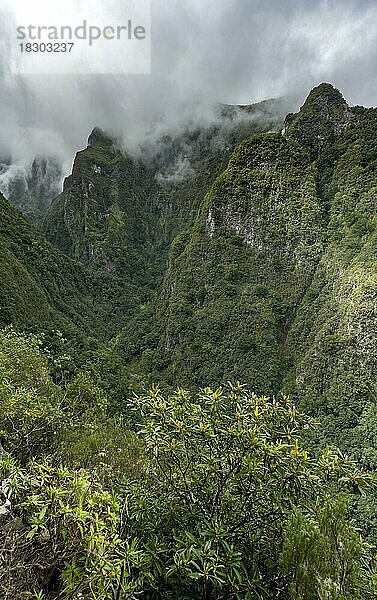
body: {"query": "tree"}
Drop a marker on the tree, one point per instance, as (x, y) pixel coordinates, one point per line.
(228, 488)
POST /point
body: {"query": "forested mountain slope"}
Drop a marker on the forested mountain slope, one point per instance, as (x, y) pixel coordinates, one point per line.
(41, 288)
(220, 255)
(118, 213)
(275, 284)
(225, 253)
(331, 346)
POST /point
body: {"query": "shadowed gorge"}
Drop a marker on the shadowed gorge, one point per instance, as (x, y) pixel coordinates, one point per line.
(217, 256)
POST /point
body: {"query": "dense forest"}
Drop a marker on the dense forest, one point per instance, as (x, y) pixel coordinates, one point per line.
(188, 364)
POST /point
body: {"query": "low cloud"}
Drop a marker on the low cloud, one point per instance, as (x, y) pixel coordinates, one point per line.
(232, 51)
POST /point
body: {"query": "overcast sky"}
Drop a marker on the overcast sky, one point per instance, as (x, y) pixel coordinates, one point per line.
(235, 51)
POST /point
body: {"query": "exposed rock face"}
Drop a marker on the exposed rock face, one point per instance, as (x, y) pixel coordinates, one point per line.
(276, 282)
(252, 252)
(221, 260)
(155, 196)
(266, 189)
(119, 214)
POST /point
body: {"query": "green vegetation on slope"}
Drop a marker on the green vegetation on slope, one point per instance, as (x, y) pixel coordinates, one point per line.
(231, 291)
(276, 282)
(119, 214)
(214, 496)
(39, 284)
(270, 279)
(42, 290)
(332, 342)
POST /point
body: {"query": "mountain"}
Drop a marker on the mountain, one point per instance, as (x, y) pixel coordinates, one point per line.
(41, 288)
(331, 346)
(322, 118)
(240, 250)
(275, 282)
(31, 187)
(233, 282)
(119, 214)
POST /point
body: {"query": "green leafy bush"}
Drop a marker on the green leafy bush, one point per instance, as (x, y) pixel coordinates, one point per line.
(228, 482)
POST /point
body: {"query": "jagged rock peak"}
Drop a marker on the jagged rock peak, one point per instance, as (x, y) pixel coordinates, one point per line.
(324, 114)
(325, 94)
(98, 135)
(324, 100)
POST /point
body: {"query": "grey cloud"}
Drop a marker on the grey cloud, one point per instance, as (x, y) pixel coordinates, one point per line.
(234, 51)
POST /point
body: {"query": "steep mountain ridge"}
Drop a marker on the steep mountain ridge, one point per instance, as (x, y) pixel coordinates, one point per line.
(323, 116)
(231, 288)
(332, 342)
(223, 253)
(119, 213)
(202, 261)
(169, 177)
(41, 287)
(276, 282)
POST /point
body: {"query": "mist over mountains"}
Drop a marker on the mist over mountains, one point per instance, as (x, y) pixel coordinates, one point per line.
(236, 53)
(32, 185)
(188, 310)
(240, 250)
(207, 249)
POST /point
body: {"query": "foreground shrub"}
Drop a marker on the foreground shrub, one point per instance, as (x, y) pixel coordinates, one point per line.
(230, 486)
